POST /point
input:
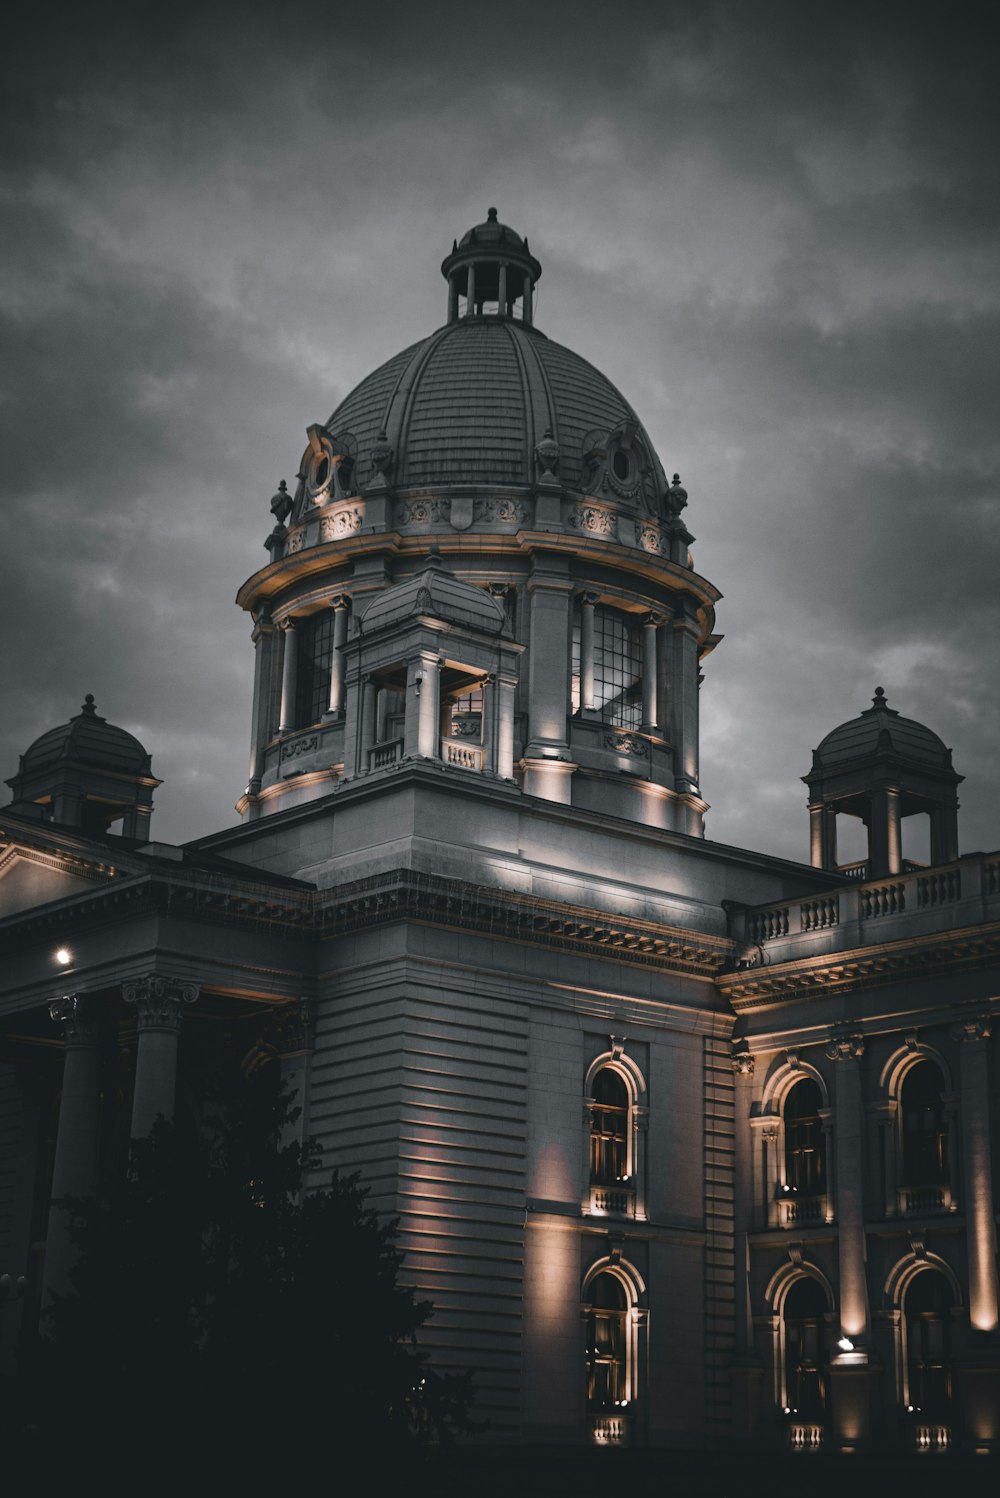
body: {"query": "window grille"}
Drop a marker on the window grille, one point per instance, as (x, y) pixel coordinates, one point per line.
(617, 667)
(314, 638)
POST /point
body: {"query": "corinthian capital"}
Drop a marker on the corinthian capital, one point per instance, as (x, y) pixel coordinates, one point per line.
(159, 1000)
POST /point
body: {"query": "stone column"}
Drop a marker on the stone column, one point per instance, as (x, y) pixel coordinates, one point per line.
(650, 629)
(816, 836)
(547, 766)
(366, 736)
(77, 1136)
(503, 697)
(747, 1372)
(883, 833)
(338, 664)
(980, 1227)
(289, 676)
(847, 1051)
(428, 681)
(502, 292)
(526, 312)
(470, 292)
(260, 724)
(588, 603)
(159, 1002)
(663, 678)
(684, 698)
(295, 1040)
(452, 298)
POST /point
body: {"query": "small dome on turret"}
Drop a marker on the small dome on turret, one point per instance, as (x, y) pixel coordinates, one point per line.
(881, 731)
(87, 773)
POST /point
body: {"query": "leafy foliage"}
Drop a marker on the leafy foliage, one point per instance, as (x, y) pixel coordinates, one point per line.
(214, 1296)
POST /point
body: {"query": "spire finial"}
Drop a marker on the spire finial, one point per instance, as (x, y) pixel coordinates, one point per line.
(879, 699)
(88, 705)
(491, 215)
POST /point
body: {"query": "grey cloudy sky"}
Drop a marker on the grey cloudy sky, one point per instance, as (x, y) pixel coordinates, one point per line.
(773, 225)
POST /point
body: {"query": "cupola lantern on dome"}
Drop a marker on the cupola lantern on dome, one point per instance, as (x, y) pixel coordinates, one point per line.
(493, 269)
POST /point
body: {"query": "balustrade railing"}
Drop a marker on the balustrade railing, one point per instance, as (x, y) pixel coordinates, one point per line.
(916, 888)
(931, 1437)
(609, 1429)
(385, 754)
(466, 756)
(922, 1201)
(817, 915)
(613, 1201)
(799, 1211)
(805, 1435)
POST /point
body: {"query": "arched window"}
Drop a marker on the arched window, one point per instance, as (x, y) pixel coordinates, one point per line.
(314, 644)
(924, 1126)
(607, 1344)
(609, 1128)
(805, 1152)
(804, 1318)
(927, 1312)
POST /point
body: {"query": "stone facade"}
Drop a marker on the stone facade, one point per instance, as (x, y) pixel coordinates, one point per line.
(688, 1145)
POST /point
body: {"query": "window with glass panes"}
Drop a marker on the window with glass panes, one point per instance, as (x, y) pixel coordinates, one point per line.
(804, 1316)
(617, 667)
(925, 1127)
(609, 1129)
(927, 1307)
(607, 1348)
(805, 1156)
(314, 640)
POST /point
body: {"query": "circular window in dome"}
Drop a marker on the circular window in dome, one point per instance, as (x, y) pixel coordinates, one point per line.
(321, 471)
(623, 470)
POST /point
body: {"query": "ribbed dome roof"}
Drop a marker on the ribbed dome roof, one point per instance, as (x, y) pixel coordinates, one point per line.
(880, 731)
(437, 592)
(470, 403)
(87, 740)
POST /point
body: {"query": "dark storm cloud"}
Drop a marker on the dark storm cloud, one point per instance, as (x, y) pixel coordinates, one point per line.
(774, 225)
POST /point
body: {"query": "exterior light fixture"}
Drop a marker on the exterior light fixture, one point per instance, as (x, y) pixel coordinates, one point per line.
(845, 1344)
(63, 956)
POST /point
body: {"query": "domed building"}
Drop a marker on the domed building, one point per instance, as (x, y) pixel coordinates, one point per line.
(689, 1145)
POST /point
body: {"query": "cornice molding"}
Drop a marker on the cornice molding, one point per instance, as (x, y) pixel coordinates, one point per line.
(865, 967)
(397, 894)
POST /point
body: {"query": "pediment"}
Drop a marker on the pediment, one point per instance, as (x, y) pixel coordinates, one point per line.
(30, 877)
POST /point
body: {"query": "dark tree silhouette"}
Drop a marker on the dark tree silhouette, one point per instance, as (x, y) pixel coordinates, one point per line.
(220, 1309)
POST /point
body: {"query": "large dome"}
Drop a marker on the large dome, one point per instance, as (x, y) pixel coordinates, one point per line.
(469, 405)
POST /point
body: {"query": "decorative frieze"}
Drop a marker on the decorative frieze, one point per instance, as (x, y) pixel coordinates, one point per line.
(627, 743)
(308, 743)
(341, 522)
(593, 519)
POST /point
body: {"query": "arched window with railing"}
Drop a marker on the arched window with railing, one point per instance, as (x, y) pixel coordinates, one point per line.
(805, 1145)
(924, 1127)
(805, 1352)
(609, 1130)
(615, 1348)
(927, 1305)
